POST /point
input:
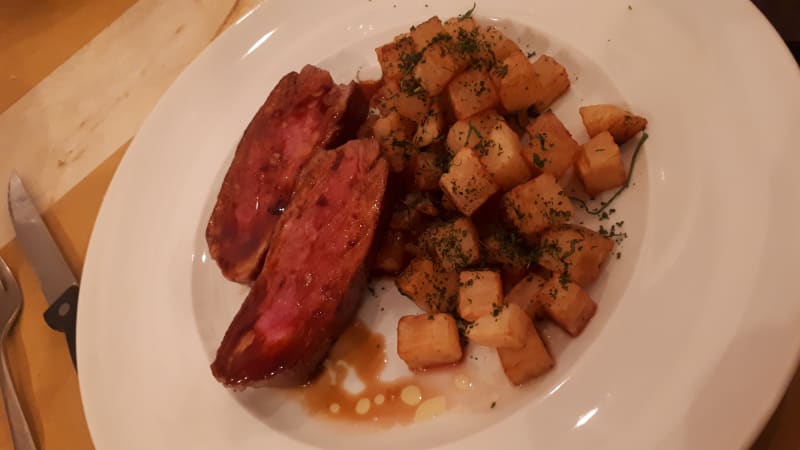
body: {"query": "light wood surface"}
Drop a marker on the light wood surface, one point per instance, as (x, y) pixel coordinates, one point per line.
(44, 47)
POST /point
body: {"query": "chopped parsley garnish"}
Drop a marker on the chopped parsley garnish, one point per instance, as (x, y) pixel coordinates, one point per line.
(538, 162)
(467, 14)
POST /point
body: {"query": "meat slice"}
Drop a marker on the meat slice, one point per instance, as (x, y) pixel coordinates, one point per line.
(303, 112)
(314, 274)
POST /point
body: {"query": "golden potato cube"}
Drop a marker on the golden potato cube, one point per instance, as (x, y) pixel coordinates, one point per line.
(412, 102)
(507, 249)
(501, 46)
(480, 293)
(472, 131)
(599, 165)
(553, 82)
(574, 249)
(567, 304)
(428, 340)
(389, 56)
(454, 245)
(391, 254)
(520, 86)
(436, 68)
(424, 33)
(505, 327)
(432, 126)
(551, 148)
(471, 92)
(392, 134)
(466, 183)
(427, 170)
(385, 99)
(535, 205)
(456, 25)
(530, 361)
(622, 124)
(431, 288)
(525, 293)
(501, 154)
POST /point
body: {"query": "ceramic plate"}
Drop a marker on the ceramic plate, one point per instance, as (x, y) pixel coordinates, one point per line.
(698, 327)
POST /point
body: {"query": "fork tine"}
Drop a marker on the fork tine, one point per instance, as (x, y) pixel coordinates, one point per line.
(7, 278)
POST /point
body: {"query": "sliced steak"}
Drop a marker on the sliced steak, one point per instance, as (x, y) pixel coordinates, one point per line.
(303, 112)
(314, 274)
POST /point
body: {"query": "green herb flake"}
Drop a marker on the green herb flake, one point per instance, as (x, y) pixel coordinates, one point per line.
(467, 14)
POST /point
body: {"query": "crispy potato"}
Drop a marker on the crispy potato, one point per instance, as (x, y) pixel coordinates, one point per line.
(530, 361)
(501, 46)
(480, 293)
(538, 204)
(599, 165)
(427, 168)
(407, 219)
(385, 100)
(520, 86)
(424, 33)
(467, 183)
(431, 127)
(502, 156)
(471, 132)
(391, 254)
(567, 304)
(525, 294)
(505, 248)
(553, 82)
(471, 92)
(389, 56)
(454, 245)
(412, 102)
(574, 249)
(392, 134)
(505, 327)
(428, 340)
(431, 288)
(622, 124)
(436, 68)
(551, 148)
(421, 203)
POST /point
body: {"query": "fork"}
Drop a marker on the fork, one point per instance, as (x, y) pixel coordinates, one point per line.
(10, 305)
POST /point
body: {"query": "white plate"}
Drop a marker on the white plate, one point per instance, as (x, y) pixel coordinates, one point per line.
(699, 325)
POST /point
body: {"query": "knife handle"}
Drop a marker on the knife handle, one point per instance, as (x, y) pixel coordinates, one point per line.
(62, 316)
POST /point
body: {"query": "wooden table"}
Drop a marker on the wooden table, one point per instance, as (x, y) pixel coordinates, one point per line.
(77, 78)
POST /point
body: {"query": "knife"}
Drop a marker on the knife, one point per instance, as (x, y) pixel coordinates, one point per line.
(58, 284)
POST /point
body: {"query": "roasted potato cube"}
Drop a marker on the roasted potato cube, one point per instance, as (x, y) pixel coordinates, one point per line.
(431, 127)
(551, 148)
(567, 304)
(467, 183)
(456, 25)
(622, 124)
(436, 68)
(501, 46)
(407, 219)
(530, 361)
(574, 249)
(421, 203)
(480, 293)
(471, 132)
(525, 294)
(385, 99)
(389, 56)
(538, 204)
(427, 167)
(553, 82)
(412, 101)
(428, 340)
(431, 288)
(465, 33)
(502, 156)
(505, 327)
(506, 248)
(424, 33)
(392, 134)
(599, 165)
(519, 86)
(471, 92)
(454, 245)
(391, 254)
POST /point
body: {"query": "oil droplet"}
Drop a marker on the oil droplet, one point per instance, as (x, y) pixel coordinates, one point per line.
(411, 395)
(430, 408)
(335, 408)
(362, 407)
(462, 382)
(379, 399)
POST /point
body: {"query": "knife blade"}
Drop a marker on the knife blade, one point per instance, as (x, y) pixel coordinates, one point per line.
(58, 284)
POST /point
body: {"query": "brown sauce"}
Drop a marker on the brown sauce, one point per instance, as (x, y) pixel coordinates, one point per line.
(364, 352)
